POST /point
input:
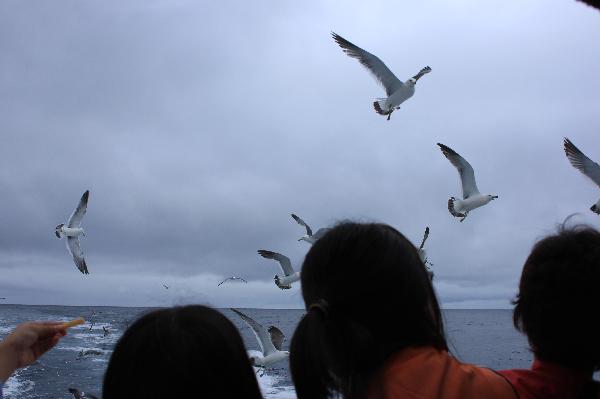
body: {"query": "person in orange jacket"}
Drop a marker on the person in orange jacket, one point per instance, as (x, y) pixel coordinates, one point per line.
(557, 308)
(373, 327)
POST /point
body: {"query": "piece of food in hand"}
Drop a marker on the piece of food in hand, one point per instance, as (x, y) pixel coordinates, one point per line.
(71, 323)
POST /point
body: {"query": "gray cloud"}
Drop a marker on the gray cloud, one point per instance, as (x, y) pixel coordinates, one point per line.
(199, 128)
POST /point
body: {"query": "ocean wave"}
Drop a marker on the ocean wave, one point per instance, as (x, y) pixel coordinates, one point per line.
(270, 389)
(15, 387)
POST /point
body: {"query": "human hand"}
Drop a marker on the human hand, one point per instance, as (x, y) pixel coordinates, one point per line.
(26, 344)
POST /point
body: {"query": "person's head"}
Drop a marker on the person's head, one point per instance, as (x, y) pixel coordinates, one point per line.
(190, 351)
(368, 295)
(559, 298)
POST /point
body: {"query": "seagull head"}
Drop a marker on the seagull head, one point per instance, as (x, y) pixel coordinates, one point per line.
(58, 230)
(304, 238)
(411, 81)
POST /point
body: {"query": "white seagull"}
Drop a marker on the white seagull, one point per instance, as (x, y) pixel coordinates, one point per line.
(232, 278)
(77, 394)
(284, 282)
(73, 230)
(310, 237)
(397, 91)
(471, 197)
(421, 250)
(585, 165)
(270, 342)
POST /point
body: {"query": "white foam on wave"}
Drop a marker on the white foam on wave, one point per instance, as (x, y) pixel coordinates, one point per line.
(15, 387)
(6, 329)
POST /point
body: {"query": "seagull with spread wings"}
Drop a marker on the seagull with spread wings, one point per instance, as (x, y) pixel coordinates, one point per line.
(421, 250)
(397, 91)
(72, 230)
(270, 341)
(310, 237)
(471, 197)
(232, 278)
(585, 165)
(289, 274)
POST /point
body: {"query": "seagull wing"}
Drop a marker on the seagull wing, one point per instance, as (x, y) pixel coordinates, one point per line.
(284, 261)
(262, 336)
(424, 238)
(77, 254)
(303, 223)
(585, 165)
(277, 337)
(77, 394)
(78, 213)
(467, 175)
(381, 72)
(422, 72)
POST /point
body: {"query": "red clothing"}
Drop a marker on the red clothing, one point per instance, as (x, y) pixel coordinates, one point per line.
(427, 373)
(547, 381)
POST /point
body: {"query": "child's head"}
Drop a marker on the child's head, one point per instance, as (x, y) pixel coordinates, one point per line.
(191, 351)
(559, 298)
(368, 295)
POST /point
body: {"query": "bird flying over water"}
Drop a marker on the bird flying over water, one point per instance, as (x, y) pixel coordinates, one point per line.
(284, 282)
(585, 165)
(77, 394)
(471, 197)
(310, 237)
(232, 278)
(166, 286)
(73, 230)
(397, 91)
(270, 341)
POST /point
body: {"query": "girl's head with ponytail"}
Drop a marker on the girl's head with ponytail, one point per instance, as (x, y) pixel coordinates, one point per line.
(368, 296)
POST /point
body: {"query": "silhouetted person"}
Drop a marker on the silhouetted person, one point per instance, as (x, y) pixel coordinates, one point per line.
(557, 308)
(373, 327)
(181, 352)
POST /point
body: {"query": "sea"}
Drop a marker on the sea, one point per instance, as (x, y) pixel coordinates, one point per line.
(483, 337)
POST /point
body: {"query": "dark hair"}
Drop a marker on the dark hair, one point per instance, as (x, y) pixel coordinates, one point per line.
(559, 297)
(368, 296)
(180, 352)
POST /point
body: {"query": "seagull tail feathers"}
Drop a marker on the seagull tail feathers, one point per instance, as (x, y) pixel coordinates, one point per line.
(452, 210)
(378, 105)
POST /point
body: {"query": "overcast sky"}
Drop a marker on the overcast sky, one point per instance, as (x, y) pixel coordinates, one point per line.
(199, 127)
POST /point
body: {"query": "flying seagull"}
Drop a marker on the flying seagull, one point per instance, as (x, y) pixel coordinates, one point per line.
(166, 286)
(471, 197)
(232, 278)
(270, 341)
(421, 250)
(106, 331)
(310, 237)
(73, 230)
(284, 282)
(77, 394)
(397, 91)
(585, 165)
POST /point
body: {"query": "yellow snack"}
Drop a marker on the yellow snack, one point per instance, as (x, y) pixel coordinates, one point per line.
(71, 323)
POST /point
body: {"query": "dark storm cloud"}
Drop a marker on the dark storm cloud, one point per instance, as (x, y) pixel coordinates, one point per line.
(199, 128)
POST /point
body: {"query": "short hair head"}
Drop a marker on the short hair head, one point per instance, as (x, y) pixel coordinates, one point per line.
(368, 296)
(559, 297)
(178, 352)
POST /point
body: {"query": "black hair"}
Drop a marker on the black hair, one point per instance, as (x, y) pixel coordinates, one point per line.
(368, 296)
(559, 297)
(180, 352)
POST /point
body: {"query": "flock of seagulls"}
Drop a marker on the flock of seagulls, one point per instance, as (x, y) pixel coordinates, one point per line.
(397, 92)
